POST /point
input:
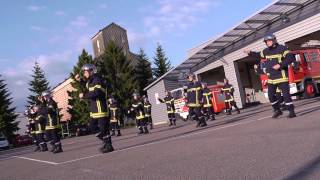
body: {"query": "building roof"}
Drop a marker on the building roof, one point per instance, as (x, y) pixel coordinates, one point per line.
(275, 11)
(110, 25)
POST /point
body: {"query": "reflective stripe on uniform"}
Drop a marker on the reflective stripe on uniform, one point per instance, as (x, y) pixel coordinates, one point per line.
(194, 89)
(141, 116)
(96, 87)
(227, 89)
(98, 115)
(277, 81)
(285, 53)
(98, 105)
(207, 105)
(194, 105)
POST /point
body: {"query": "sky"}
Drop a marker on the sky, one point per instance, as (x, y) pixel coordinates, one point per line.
(53, 33)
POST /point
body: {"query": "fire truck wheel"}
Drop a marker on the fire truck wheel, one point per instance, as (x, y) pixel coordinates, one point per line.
(309, 91)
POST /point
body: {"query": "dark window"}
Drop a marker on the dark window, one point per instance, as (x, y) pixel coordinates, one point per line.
(314, 57)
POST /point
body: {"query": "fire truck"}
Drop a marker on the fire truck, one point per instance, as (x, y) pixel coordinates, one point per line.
(180, 102)
(304, 75)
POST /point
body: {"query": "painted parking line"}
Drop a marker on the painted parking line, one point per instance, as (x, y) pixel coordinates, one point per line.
(36, 160)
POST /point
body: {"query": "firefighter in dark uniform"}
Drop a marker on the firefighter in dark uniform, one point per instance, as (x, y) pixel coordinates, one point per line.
(194, 99)
(229, 99)
(207, 107)
(40, 114)
(278, 58)
(114, 117)
(138, 110)
(53, 124)
(260, 69)
(147, 111)
(169, 101)
(96, 94)
(32, 126)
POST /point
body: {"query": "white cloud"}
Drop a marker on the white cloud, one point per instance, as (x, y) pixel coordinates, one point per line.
(60, 13)
(56, 67)
(35, 8)
(37, 28)
(176, 15)
(80, 21)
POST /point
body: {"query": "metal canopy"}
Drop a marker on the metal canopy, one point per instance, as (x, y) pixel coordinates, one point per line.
(263, 18)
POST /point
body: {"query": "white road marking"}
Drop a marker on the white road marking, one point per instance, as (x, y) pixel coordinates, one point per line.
(36, 160)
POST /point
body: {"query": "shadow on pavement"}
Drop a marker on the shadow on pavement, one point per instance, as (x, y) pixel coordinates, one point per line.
(305, 171)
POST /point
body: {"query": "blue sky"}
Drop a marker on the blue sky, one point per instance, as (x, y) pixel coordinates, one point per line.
(55, 32)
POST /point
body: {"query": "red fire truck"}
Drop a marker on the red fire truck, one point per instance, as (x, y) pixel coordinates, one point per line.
(304, 75)
(181, 106)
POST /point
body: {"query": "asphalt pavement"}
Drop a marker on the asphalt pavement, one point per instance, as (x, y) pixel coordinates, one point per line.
(250, 145)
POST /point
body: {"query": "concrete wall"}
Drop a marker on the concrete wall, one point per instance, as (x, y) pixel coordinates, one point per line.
(159, 115)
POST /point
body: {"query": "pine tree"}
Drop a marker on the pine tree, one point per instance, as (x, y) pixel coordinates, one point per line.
(116, 69)
(38, 84)
(161, 62)
(143, 71)
(8, 125)
(79, 109)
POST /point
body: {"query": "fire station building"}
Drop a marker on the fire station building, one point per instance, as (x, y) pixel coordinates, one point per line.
(296, 23)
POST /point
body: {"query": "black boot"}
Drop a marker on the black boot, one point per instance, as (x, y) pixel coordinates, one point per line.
(43, 147)
(58, 148)
(203, 122)
(53, 147)
(276, 113)
(212, 118)
(229, 112)
(198, 123)
(113, 133)
(107, 145)
(238, 111)
(170, 123)
(151, 126)
(146, 131)
(174, 122)
(292, 114)
(140, 130)
(37, 148)
(119, 133)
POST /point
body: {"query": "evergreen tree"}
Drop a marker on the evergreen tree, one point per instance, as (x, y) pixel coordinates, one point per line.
(79, 109)
(143, 71)
(38, 84)
(161, 62)
(116, 69)
(8, 125)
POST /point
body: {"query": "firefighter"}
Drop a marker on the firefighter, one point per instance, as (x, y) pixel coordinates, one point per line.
(169, 101)
(229, 99)
(260, 69)
(207, 107)
(278, 58)
(114, 117)
(194, 98)
(96, 94)
(53, 124)
(138, 110)
(32, 126)
(147, 111)
(40, 114)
